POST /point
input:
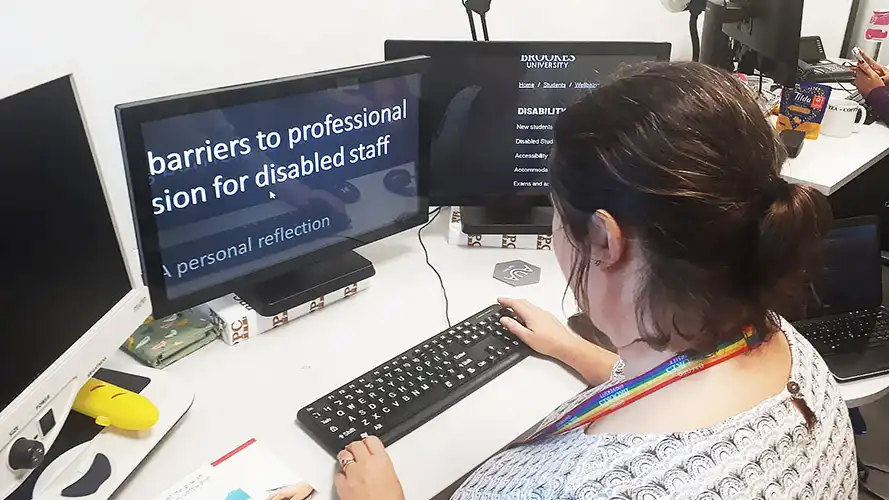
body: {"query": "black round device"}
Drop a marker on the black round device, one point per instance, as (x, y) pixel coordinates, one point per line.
(400, 181)
(26, 454)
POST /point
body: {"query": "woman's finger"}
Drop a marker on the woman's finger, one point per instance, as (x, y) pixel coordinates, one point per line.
(522, 308)
(868, 70)
(516, 328)
(300, 492)
(344, 456)
(374, 445)
(359, 450)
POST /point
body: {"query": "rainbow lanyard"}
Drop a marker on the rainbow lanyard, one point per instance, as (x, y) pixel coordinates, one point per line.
(672, 370)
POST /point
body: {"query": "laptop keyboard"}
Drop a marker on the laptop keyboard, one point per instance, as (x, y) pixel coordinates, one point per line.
(850, 331)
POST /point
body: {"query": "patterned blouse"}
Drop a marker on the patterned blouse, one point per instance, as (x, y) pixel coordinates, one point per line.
(764, 453)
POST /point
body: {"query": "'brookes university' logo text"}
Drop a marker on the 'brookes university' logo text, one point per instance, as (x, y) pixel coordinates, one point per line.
(548, 61)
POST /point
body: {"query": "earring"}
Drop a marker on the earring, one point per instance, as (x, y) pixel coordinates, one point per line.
(597, 263)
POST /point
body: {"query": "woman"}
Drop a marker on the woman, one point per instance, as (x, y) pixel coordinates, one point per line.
(677, 235)
(870, 80)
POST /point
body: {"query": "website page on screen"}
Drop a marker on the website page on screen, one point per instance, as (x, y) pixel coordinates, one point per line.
(242, 188)
(492, 117)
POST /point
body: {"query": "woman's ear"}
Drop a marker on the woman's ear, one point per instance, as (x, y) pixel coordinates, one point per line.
(608, 242)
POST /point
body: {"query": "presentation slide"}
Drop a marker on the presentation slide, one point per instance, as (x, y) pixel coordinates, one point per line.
(492, 117)
(242, 188)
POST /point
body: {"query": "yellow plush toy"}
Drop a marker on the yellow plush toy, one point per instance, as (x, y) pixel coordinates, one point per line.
(111, 405)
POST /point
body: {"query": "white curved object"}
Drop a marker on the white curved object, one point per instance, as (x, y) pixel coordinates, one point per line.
(675, 5)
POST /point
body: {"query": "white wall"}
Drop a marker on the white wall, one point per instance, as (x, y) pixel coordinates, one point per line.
(135, 49)
(865, 10)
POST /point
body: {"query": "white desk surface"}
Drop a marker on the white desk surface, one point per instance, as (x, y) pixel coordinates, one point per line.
(255, 389)
(829, 163)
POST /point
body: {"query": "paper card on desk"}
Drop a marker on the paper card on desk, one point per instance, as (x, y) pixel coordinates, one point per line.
(802, 108)
(249, 472)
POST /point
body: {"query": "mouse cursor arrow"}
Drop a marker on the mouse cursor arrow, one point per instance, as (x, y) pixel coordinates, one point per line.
(272, 195)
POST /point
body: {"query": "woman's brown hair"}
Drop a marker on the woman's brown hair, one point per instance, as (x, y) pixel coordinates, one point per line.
(681, 155)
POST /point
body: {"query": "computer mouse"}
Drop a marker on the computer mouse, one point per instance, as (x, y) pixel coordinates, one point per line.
(346, 192)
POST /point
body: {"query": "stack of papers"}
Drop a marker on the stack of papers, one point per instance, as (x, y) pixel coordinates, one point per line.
(248, 472)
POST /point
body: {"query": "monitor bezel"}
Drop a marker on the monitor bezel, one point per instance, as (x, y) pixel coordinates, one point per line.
(56, 387)
(396, 49)
(131, 116)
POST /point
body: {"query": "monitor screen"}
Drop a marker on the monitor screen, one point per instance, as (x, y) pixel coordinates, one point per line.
(269, 174)
(851, 278)
(63, 268)
(489, 109)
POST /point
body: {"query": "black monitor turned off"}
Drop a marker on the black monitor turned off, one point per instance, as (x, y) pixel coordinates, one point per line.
(489, 110)
(265, 189)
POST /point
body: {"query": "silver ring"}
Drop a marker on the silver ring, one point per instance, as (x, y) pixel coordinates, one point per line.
(346, 463)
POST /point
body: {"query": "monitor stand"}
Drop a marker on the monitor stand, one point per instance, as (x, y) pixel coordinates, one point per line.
(511, 220)
(306, 284)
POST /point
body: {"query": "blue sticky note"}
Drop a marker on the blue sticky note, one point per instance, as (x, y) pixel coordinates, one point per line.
(238, 494)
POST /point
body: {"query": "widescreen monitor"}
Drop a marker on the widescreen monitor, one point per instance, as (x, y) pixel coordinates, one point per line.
(489, 109)
(69, 300)
(265, 189)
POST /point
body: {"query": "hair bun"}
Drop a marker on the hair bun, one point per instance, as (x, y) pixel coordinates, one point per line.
(789, 237)
(776, 190)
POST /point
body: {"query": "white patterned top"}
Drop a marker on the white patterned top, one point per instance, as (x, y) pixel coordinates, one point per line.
(764, 453)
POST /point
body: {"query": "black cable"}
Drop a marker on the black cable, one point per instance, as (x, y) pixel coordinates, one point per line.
(471, 23)
(444, 291)
(695, 35)
(759, 91)
(485, 27)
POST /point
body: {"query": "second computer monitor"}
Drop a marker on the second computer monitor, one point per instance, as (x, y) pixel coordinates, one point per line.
(264, 189)
(489, 109)
(768, 32)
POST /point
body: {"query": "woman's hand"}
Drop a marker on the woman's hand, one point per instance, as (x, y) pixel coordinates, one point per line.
(548, 336)
(299, 491)
(867, 79)
(877, 67)
(542, 331)
(367, 473)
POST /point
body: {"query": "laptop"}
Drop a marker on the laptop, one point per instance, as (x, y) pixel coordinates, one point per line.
(845, 318)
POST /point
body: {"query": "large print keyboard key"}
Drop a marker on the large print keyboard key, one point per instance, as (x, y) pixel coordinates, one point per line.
(412, 388)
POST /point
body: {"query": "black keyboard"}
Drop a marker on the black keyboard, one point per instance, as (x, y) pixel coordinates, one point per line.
(828, 73)
(852, 331)
(410, 389)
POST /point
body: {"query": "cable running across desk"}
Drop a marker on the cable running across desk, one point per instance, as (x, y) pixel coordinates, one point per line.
(434, 215)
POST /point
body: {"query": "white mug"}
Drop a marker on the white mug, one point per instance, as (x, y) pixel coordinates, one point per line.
(842, 118)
